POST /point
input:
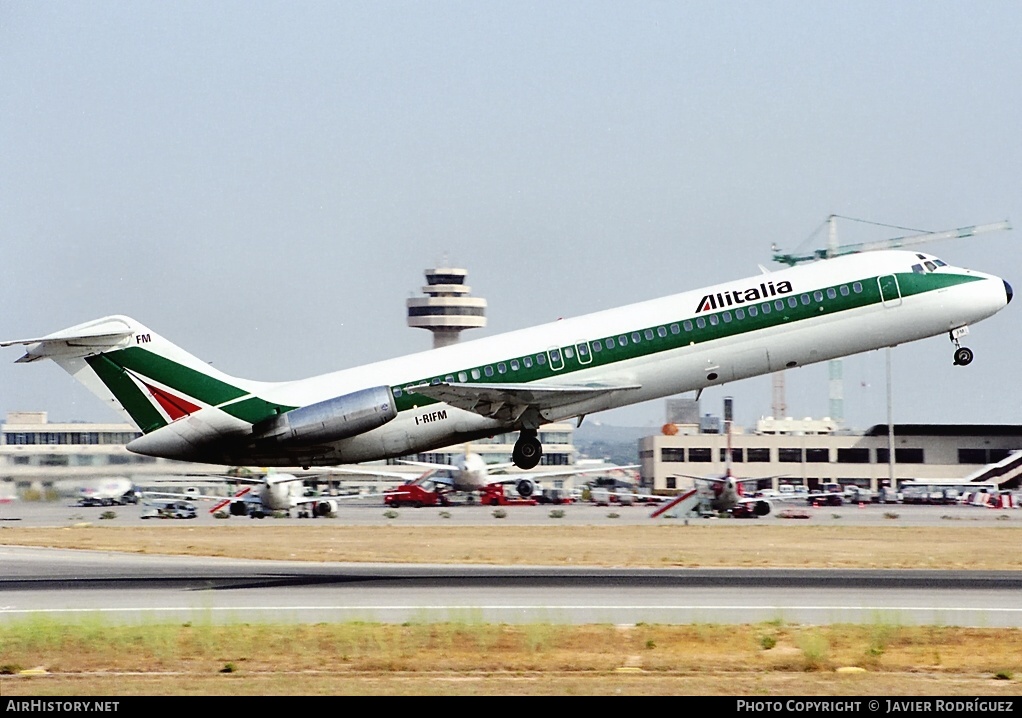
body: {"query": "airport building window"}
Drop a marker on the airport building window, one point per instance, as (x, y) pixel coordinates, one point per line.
(672, 454)
(737, 455)
(671, 483)
(53, 460)
(818, 455)
(790, 456)
(700, 454)
(972, 456)
(760, 455)
(901, 456)
(998, 454)
(22, 460)
(853, 456)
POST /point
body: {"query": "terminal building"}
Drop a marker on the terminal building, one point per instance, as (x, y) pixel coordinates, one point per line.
(812, 452)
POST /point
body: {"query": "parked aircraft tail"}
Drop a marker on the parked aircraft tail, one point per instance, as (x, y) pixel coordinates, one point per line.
(135, 370)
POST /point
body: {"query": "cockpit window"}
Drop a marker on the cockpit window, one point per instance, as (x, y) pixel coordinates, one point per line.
(939, 263)
(931, 266)
(917, 268)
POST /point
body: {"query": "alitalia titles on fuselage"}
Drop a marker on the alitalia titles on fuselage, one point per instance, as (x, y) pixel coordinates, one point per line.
(730, 298)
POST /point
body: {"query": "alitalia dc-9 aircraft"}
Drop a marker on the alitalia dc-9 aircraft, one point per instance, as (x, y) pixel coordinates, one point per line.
(517, 381)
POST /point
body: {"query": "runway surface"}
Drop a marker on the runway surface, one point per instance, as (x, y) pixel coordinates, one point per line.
(133, 588)
(86, 585)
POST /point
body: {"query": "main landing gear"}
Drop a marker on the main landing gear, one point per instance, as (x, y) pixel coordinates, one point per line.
(963, 355)
(528, 451)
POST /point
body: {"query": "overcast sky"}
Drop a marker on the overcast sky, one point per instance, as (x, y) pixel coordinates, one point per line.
(264, 183)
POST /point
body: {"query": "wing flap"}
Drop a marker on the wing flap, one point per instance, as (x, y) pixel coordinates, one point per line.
(493, 400)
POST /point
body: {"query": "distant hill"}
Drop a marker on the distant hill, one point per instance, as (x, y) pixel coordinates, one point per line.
(619, 444)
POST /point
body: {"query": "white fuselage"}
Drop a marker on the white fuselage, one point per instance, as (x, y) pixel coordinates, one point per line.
(803, 315)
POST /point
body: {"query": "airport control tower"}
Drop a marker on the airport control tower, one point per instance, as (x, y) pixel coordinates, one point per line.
(447, 308)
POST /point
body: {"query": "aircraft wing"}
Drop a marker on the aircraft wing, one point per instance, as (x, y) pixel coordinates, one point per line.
(186, 497)
(510, 478)
(512, 400)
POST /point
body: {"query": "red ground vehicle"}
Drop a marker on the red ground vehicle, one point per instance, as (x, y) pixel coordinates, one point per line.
(493, 495)
(421, 492)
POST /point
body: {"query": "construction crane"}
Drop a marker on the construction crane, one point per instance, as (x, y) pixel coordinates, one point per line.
(833, 249)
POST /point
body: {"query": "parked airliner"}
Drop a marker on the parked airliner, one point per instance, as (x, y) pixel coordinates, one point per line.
(808, 313)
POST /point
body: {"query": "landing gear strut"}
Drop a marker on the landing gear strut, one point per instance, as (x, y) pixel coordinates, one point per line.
(528, 451)
(963, 355)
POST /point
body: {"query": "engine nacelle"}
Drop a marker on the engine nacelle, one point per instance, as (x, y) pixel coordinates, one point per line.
(330, 420)
(325, 508)
(762, 508)
(526, 488)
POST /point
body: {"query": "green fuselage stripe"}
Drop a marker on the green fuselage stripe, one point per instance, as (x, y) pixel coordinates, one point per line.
(717, 325)
(694, 329)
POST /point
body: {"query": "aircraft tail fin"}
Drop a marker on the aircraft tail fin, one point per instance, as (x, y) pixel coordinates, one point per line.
(135, 371)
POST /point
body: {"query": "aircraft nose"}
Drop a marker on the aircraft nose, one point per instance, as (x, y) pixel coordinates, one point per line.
(1007, 291)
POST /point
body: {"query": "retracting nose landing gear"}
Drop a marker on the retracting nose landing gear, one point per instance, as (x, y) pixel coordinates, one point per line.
(963, 355)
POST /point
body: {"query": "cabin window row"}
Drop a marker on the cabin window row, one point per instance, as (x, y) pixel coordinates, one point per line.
(558, 356)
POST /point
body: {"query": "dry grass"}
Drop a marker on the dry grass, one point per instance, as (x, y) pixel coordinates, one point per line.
(666, 544)
(483, 659)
